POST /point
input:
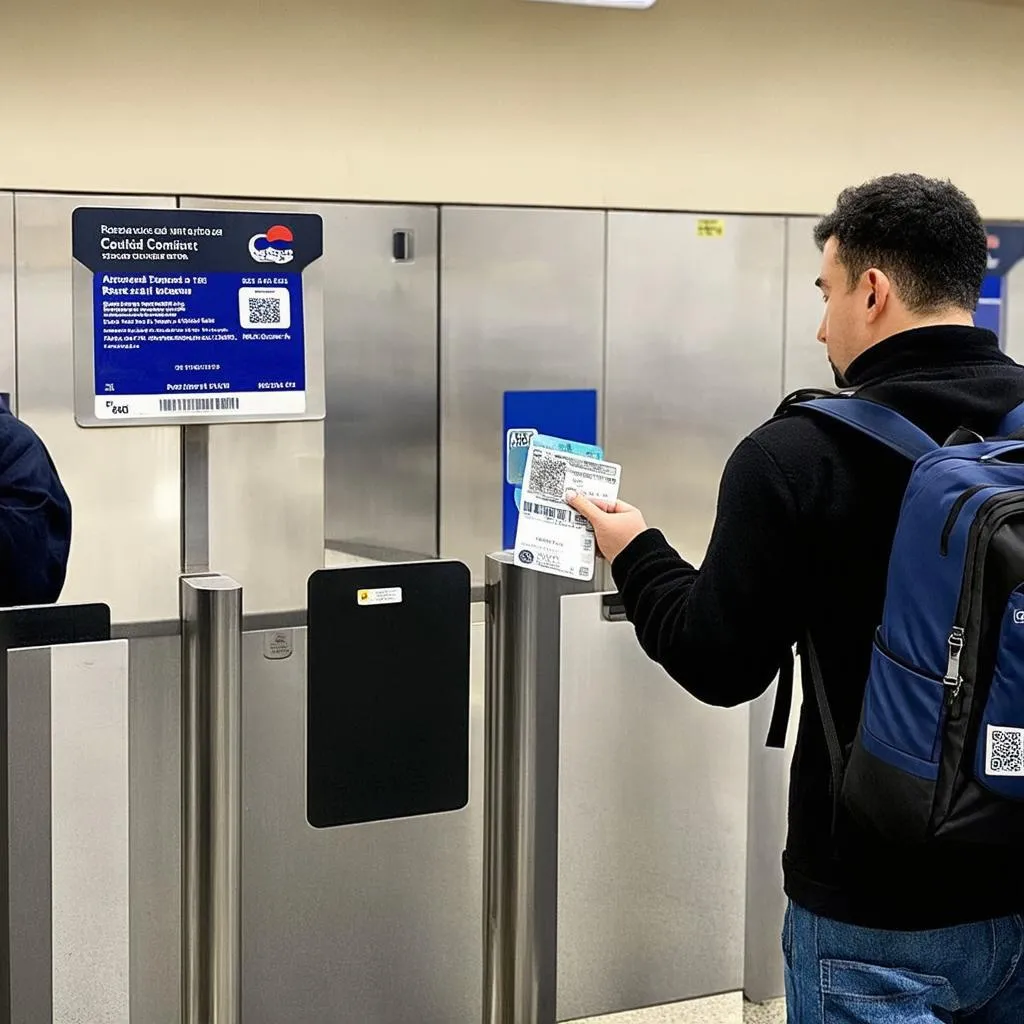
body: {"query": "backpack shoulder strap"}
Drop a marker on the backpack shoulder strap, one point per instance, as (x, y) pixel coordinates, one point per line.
(877, 421)
(898, 433)
(783, 703)
(1012, 422)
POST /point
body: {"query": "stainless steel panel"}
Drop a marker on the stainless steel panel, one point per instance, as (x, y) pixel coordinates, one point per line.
(1013, 313)
(29, 944)
(7, 354)
(195, 498)
(381, 369)
(652, 826)
(266, 485)
(154, 820)
(695, 328)
(211, 786)
(70, 843)
(89, 832)
(379, 923)
(521, 780)
(124, 483)
(522, 308)
(767, 803)
(806, 364)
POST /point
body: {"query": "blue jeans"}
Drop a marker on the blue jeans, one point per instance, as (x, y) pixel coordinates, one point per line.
(842, 974)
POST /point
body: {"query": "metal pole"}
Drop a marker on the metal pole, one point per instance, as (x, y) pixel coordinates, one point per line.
(211, 782)
(521, 809)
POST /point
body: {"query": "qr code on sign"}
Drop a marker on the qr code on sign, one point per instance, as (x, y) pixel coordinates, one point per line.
(1005, 751)
(547, 476)
(265, 307)
(265, 311)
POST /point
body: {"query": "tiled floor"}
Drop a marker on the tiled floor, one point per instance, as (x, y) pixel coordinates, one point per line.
(727, 1009)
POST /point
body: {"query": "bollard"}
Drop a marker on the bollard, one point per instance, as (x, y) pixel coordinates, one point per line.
(521, 791)
(211, 782)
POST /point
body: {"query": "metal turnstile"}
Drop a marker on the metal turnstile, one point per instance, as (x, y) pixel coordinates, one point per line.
(521, 791)
(211, 791)
(67, 950)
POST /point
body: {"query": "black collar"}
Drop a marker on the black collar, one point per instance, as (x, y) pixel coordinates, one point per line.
(924, 348)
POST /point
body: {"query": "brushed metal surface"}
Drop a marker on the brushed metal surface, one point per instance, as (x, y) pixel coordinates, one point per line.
(266, 482)
(696, 329)
(67, 755)
(8, 379)
(124, 483)
(29, 943)
(89, 832)
(195, 498)
(154, 821)
(522, 308)
(521, 810)
(211, 785)
(806, 364)
(694, 358)
(1013, 313)
(767, 808)
(652, 824)
(381, 448)
(378, 923)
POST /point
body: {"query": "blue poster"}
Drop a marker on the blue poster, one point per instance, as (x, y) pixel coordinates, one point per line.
(1005, 251)
(187, 315)
(565, 414)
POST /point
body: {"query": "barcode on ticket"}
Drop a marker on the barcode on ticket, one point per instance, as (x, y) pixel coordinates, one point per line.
(561, 515)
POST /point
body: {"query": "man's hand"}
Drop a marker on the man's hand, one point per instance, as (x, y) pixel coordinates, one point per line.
(616, 524)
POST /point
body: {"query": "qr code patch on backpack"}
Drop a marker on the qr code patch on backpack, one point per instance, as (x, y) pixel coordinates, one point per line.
(1004, 751)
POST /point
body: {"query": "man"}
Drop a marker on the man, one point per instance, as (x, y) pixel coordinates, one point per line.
(35, 518)
(806, 517)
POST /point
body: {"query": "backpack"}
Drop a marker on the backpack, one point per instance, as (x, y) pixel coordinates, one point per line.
(938, 756)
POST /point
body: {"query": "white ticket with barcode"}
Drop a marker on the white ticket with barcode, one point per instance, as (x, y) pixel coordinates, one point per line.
(551, 537)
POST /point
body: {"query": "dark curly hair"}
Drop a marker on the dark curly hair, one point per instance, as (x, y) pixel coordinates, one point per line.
(924, 234)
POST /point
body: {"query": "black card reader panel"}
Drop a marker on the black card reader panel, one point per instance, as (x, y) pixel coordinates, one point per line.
(387, 692)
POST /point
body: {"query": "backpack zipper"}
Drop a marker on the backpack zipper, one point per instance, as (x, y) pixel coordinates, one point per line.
(990, 515)
(952, 680)
(954, 512)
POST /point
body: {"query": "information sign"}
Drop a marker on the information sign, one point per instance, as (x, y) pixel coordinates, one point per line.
(196, 316)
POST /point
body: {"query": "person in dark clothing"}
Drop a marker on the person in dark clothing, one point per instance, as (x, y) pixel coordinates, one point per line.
(35, 518)
(806, 517)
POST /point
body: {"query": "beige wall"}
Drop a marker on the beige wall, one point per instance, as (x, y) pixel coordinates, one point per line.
(767, 105)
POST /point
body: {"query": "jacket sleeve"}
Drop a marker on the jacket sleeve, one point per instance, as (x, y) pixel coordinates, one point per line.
(35, 519)
(723, 630)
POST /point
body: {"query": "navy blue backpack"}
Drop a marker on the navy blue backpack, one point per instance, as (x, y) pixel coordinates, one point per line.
(939, 751)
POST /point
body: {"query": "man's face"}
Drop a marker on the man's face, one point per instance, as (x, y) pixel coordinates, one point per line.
(845, 325)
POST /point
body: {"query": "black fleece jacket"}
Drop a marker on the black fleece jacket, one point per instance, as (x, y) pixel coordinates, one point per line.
(806, 515)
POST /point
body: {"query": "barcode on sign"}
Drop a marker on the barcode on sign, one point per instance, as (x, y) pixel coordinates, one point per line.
(547, 476)
(220, 404)
(1005, 753)
(264, 311)
(561, 515)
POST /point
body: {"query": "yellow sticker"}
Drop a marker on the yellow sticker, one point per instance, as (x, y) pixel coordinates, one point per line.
(385, 595)
(710, 227)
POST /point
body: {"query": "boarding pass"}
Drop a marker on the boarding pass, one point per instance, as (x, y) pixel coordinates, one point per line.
(552, 537)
